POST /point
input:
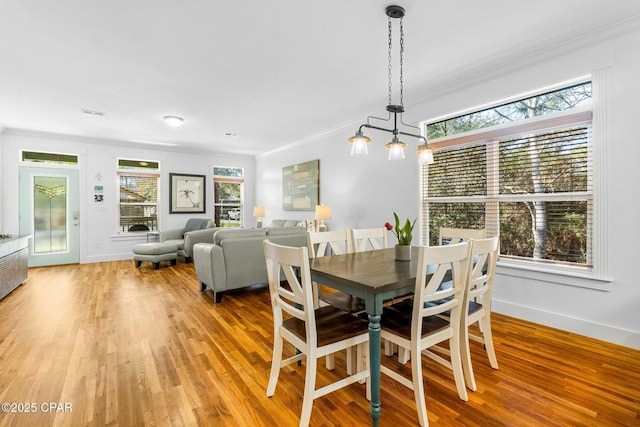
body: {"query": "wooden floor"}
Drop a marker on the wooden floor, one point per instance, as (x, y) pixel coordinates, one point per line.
(110, 344)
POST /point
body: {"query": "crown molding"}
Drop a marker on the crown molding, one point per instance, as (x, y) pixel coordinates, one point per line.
(497, 66)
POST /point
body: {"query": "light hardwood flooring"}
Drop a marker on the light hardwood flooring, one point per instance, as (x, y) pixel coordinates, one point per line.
(127, 347)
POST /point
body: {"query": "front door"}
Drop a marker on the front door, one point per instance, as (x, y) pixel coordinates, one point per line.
(49, 211)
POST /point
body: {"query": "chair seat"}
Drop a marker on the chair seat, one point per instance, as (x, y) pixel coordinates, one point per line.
(406, 307)
(344, 302)
(399, 321)
(332, 324)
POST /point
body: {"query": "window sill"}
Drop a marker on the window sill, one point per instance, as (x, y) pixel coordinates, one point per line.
(129, 236)
(563, 276)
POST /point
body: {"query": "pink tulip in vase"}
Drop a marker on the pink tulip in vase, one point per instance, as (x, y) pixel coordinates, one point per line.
(403, 234)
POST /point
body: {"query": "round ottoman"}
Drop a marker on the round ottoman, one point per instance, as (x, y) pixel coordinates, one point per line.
(155, 252)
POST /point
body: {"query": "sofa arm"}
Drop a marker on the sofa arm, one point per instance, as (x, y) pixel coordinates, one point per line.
(208, 260)
(175, 234)
(197, 236)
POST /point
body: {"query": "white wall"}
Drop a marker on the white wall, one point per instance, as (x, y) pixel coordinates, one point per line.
(363, 191)
(99, 240)
(2, 173)
(358, 197)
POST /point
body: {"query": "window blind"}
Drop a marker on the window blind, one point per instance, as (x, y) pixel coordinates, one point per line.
(138, 204)
(533, 189)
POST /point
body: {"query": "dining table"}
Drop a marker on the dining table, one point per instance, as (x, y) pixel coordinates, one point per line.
(375, 276)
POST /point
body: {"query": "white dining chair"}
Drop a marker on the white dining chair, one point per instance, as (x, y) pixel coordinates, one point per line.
(313, 332)
(366, 239)
(336, 242)
(484, 254)
(447, 236)
(424, 327)
(456, 235)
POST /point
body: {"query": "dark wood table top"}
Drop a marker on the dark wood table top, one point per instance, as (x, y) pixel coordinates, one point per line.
(372, 272)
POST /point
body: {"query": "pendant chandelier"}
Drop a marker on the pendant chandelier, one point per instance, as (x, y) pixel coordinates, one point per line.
(396, 147)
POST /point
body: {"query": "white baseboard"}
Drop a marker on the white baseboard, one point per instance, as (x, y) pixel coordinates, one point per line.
(106, 258)
(599, 331)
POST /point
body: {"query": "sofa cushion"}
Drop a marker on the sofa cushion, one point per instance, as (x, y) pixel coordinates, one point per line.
(278, 222)
(290, 223)
(237, 232)
(282, 231)
(179, 243)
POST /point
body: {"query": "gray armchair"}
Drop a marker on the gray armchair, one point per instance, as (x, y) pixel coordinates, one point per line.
(196, 230)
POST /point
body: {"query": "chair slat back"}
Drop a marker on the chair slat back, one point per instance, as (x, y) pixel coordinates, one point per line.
(430, 298)
(366, 239)
(338, 241)
(292, 295)
(456, 235)
(482, 272)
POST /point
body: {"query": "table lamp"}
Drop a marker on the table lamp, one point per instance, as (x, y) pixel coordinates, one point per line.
(322, 212)
(258, 212)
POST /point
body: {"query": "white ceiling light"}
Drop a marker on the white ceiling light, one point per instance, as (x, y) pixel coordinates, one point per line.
(173, 121)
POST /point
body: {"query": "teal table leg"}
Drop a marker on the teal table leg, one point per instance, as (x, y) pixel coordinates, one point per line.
(374, 357)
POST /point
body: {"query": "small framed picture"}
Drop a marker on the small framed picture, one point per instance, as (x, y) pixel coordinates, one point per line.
(187, 193)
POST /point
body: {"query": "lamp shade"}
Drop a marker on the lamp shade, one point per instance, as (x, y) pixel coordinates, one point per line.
(359, 148)
(425, 155)
(258, 212)
(396, 148)
(359, 144)
(323, 212)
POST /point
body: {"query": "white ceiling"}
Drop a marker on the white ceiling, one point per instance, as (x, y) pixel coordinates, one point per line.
(274, 72)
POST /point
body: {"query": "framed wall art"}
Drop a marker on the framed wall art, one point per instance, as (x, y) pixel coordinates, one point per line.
(301, 186)
(187, 193)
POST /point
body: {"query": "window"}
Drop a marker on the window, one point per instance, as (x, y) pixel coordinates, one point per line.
(228, 199)
(55, 158)
(522, 170)
(138, 205)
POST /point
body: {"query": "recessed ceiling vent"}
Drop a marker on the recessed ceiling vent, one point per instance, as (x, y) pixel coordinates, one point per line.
(92, 112)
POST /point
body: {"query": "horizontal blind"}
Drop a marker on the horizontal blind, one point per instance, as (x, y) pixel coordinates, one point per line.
(459, 172)
(534, 190)
(456, 172)
(138, 188)
(138, 207)
(545, 189)
(566, 224)
(549, 162)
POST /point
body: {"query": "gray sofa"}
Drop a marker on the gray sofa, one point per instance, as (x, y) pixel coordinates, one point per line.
(236, 257)
(196, 230)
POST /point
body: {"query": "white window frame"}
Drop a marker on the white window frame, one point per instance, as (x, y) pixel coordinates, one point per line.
(151, 173)
(595, 277)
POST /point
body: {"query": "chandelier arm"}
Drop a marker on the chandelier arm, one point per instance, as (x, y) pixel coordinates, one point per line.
(367, 125)
(379, 118)
(414, 135)
(408, 125)
(393, 131)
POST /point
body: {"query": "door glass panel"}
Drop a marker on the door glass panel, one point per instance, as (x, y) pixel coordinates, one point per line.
(50, 214)
(227, 203)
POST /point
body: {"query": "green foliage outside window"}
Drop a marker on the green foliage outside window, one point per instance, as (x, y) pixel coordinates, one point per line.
(524, 195)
